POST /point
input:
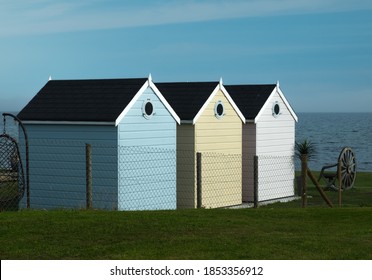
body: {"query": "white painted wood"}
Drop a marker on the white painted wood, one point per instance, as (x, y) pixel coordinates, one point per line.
(272, 138)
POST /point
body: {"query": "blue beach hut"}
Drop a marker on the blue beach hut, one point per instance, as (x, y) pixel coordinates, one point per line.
(132, 130)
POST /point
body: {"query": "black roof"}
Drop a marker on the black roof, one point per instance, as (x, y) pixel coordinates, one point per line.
(250, 98)
(99, 100)
(186, 98)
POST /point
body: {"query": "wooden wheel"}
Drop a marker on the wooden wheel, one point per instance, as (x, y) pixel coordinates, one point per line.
(348, 168)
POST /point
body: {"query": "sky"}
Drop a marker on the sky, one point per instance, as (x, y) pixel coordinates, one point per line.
(320, 51)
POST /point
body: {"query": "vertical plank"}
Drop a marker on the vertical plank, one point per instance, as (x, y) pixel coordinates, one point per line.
(255, 185)
(199, 180)
(88, 155)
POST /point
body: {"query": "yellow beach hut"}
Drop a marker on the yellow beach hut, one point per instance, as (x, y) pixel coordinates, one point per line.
(211, 125)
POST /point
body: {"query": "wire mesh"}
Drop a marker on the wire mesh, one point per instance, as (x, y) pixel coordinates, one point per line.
(149, 178)
(12, 181)
(221, 180)
(276, 176)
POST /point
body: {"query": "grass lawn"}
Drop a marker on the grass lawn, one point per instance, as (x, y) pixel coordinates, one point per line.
(316, 233)
(360, 195)
(269, 232)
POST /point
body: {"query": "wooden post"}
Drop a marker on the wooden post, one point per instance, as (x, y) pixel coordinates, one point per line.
(255, 183)
(198, 180)
(303, 180)
(319, 188)
(339, 183)
(88, 167)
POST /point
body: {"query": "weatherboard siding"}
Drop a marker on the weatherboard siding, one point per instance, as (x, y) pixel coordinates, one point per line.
(272, 140)
(248, 153)
(186, 166)
(57, 165)
(158, 130)
(147, 157)
(220, 140)
(219, 135)
(275, 137)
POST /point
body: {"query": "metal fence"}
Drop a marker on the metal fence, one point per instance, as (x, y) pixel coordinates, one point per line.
(219, 180)
(12, 179)
(74, 175)
(274, 179)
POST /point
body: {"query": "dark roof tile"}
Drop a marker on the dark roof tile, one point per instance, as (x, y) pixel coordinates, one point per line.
(250, 98)
(100, 100)
(186, 98)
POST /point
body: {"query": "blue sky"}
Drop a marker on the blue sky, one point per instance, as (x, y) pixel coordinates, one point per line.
(319, 50)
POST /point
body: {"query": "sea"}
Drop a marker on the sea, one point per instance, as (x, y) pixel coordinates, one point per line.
(329, 132)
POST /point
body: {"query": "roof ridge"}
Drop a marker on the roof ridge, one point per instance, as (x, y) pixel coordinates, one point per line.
(100, 79)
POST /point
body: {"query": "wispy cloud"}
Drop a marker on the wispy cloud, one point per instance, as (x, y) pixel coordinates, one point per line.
(50, 16)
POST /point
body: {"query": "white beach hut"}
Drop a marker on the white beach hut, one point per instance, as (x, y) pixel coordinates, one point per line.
(269, 133)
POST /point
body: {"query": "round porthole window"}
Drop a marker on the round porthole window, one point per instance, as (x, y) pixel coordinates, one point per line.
(148, 109)
(276, 109)
(219, 110)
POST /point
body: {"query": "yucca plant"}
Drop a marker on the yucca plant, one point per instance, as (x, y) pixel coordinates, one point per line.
(305, 147)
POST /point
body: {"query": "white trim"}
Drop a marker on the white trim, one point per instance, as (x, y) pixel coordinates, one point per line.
(164, 101)
(144, 113)
(131, 103)
(206, 103)
(69, 122)
(287, 103)
(281, 95)
(151, 85)
(219, 102)
(231, 101)
(264, 106)
(228, 97)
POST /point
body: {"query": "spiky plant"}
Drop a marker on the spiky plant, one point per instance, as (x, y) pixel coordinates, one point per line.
(305, 147)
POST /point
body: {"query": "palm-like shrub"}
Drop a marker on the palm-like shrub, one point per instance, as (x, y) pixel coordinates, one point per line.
(305, 147)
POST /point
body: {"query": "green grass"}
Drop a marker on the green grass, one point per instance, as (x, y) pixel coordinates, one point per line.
(317, 233)
(360, 195)
(266, 233)
(9, 195)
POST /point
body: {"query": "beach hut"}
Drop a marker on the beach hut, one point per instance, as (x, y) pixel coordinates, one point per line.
(132, 132)
(269, 133)
(211, 124)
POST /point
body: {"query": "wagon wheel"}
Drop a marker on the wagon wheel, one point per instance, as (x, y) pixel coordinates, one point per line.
(348, 168)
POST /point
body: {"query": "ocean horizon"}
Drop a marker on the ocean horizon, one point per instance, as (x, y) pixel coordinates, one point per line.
(329, 132)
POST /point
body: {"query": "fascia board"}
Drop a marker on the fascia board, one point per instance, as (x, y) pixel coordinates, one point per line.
(233, 104)
(131, 103)
(281, 95)
(264, 106)
(164, 101)
(205, 105)
(287, 103)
